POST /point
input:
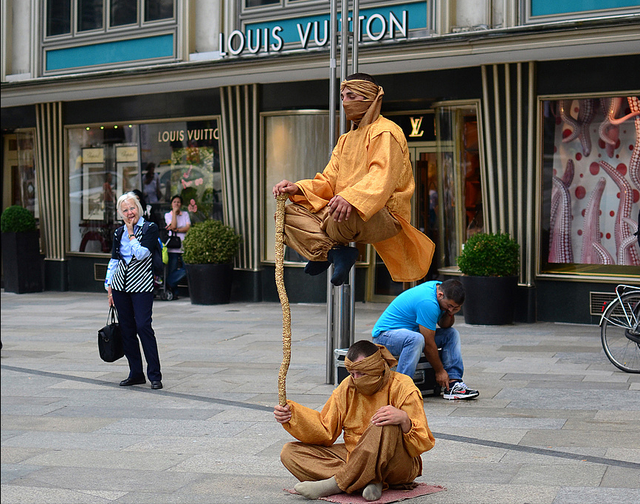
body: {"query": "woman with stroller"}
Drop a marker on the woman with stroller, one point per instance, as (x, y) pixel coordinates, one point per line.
(178, 223)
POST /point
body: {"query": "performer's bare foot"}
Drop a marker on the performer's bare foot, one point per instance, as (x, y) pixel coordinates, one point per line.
(372, 492)
(315, 489)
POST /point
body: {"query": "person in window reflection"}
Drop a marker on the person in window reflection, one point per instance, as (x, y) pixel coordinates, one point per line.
(178, 223)
(129, 285)
(151, 184)
(146, 209)
(109, 199)
(363, 195)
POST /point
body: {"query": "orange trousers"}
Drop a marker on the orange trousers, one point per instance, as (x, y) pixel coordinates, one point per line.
(312, 235)
(379, 456)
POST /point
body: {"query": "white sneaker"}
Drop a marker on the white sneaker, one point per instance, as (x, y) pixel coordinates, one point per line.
(460, 391)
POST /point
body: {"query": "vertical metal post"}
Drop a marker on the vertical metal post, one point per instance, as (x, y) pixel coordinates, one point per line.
(333, 49)
(340, 300)
(344, 54)
(333, 27)
(355, 24)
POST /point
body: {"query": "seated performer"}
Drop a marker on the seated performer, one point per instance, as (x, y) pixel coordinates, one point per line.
(408, 327)
(363, 195)
(381, 414)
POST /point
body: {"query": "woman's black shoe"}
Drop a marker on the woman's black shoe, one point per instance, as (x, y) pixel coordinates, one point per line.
(133, 381)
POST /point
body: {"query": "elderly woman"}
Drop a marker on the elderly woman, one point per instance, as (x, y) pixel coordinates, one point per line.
(129, 283)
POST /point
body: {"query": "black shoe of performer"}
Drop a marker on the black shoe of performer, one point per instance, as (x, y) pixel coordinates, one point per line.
(314, 268)
(343, 259)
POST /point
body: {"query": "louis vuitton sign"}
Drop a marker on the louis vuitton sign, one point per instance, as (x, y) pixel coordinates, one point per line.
(312, 32)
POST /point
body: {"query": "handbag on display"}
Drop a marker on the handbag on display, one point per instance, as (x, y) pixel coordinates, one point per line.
(174, 241)
(110, 338)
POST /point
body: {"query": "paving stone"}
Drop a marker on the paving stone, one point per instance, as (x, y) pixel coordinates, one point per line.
(71, 434)
(580, 474)
(580, 495)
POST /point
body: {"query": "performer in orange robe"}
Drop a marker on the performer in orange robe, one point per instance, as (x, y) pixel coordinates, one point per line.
(381, 416)
(363, 195)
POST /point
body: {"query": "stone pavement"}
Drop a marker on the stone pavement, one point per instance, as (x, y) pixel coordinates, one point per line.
(555, 421)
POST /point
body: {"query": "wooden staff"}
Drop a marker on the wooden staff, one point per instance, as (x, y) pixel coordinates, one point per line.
(284, 301)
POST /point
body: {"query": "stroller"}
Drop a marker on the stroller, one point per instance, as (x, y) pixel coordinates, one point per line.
(160, 288)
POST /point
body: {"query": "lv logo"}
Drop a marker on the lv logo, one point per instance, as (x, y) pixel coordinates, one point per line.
(416, 124)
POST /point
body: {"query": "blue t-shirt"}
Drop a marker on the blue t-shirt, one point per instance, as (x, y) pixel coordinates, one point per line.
(415, 307)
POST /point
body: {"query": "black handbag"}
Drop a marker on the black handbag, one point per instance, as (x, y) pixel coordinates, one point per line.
(110, 338)
(174, 241)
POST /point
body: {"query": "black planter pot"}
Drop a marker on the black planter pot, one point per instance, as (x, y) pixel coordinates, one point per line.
(22, 262)
(210, 283)
(489, 300)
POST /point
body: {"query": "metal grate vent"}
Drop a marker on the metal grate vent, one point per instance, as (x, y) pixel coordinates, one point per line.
(99, 271)
(597, 301)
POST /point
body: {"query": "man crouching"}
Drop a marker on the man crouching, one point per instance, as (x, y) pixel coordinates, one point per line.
(381, 414)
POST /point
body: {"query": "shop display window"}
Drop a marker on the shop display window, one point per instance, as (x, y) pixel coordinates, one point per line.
(19, 177)
(459, 196)
(590, 185)
(159, 159)
(295, 147)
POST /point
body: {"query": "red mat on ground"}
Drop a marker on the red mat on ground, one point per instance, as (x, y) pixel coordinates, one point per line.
(387, 496)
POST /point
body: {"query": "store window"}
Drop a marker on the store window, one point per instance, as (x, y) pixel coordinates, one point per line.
(71, 17)
(590, 185)
(19, 174)
(159, 9)
(261, 3)
(160, 159)
(89, 15)
(123, 12)
(295, 147)
(459, 198)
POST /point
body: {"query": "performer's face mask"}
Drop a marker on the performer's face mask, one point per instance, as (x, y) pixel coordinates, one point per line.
(355, 110)
(362, 112)
(373, 371)
(368, 385)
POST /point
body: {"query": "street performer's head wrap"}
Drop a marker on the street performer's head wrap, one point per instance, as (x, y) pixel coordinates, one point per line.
(364, 112)
(375, 368)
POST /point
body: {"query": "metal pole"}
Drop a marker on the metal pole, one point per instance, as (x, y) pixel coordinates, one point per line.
(344, 54)
(355, 23)
(342, 325)
(333, 49)
(333, 27)
(341, 300)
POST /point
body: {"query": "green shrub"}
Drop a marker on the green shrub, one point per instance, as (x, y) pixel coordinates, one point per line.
(490, 255)
(210, 242)
(17, 219)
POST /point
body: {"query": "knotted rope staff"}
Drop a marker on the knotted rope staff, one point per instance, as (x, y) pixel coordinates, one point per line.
(284, 300)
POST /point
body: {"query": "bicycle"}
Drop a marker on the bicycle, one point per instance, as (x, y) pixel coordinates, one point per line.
(620, 329)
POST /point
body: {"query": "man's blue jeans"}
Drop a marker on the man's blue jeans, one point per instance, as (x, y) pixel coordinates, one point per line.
(409, 346)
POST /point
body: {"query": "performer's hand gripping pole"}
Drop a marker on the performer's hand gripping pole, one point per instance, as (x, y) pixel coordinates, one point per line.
(284, 301)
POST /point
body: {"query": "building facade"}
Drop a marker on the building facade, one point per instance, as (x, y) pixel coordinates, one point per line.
(522, 116)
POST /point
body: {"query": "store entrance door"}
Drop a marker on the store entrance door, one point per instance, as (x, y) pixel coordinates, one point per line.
(381, 288)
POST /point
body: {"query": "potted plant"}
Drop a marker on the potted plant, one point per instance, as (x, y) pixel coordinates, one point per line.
(490, 265)
(22, 262)
(209, 248)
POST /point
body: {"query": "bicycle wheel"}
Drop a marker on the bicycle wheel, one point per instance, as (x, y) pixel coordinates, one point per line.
(620, 332)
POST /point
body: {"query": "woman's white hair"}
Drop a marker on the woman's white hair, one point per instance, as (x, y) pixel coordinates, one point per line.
(126, 197)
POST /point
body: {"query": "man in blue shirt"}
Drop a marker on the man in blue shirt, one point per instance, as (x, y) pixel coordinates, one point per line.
(408, 327)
